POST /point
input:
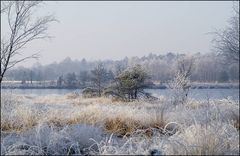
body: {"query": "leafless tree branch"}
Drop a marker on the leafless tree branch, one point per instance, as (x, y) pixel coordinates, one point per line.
(23, 30)
(226, 42)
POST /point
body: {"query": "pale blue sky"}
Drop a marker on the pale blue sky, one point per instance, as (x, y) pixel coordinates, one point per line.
(113, 30)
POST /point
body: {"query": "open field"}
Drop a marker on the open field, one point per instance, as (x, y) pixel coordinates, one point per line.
(53, 85)
(71, 124)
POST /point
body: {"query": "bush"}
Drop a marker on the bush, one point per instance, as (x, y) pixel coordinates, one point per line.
(89, 92)
(129, 84)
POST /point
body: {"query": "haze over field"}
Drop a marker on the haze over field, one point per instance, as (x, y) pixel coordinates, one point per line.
(113, 30)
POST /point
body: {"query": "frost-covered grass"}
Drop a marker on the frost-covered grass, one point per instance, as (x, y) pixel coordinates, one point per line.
(71, 124)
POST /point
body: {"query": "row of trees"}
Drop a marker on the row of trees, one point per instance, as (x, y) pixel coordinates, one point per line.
(127, 85)
(208, 68)
(23, 29)
(99, 76)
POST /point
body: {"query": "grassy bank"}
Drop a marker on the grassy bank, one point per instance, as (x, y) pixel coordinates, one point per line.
(71, 124)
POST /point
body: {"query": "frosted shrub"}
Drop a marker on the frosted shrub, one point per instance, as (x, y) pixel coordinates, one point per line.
(181, 82)
(136, 144)
(180, 89)
(211, 139)
(9, 104)
(9, 101)
(44, 139)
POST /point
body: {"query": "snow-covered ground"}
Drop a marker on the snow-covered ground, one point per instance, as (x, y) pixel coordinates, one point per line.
(70, 124)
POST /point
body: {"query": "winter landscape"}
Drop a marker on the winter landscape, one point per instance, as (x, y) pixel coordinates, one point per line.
(102, 85)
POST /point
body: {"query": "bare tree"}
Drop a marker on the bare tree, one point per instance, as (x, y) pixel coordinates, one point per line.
(119, 68)
(24, 28)
(83, 77)
(226, 42)
(4, 6)
(181, 82)
(99, 78)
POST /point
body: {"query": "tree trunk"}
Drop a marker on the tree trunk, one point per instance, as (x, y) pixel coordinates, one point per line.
(99, 90)
(135, 93)
(0, 92)
(1, 80)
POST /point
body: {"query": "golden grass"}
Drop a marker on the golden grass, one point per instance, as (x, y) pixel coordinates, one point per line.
(138, 119)
(121, 127)
(17, 127)
(121, 118)
(81, 110)
(127, 126)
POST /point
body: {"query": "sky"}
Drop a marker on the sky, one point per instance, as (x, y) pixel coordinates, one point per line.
(113, 30)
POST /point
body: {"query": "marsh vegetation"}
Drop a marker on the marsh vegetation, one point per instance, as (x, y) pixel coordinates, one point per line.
(112, 110)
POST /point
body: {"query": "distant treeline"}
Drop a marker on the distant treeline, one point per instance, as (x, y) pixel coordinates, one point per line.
(54, 85)
(207, 68)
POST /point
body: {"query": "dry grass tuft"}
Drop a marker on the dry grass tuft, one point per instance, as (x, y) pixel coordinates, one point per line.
(8, 127)
(120, 126)
(125, 127)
